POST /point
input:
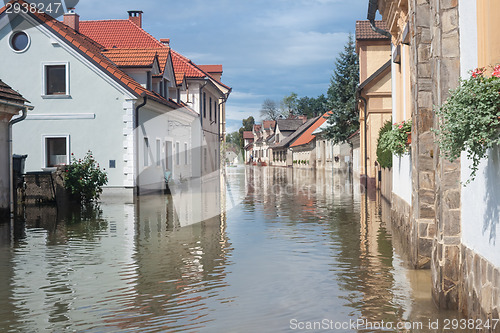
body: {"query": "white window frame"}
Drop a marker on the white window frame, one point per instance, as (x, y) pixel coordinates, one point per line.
(12, 36)
(44, 148)
(44, 79)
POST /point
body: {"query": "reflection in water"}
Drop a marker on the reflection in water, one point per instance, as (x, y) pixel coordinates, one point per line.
(301, 246)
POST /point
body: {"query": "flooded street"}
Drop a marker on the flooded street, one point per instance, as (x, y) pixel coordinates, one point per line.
(297, 248)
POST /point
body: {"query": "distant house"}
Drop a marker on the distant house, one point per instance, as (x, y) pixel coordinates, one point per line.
(263, 136)
(11, 102)
(248, 145)
(313, 150)
(287, 130)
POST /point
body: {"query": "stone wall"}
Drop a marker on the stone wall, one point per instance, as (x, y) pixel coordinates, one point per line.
(479, 289)
(402, 226)
(423, 167)
(445, 68)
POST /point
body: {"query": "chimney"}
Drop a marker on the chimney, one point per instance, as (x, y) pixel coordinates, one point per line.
(165, 41)
(303, 118)
(136, 17)
(72, 19)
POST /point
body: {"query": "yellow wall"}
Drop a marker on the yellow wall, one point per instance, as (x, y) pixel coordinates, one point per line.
(488, 31)
(372, 57)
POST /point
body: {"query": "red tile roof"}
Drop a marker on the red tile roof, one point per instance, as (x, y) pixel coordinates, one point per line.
(10, 95)
(93, 51)
(365, 31)
(247, 135)
(269, 124)
(256, 127)
(137, 57)
(307, 136)
(122, 34)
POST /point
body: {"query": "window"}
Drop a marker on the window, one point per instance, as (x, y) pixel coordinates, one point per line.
(158, 152)
(215, 111)
(168, 155)
(177, 153)
(186, 156)
(149, 81)
(210, 101)
(204, 105)
(56, 79)
(205, 157)
(146, 151)
(56, 151)
(19, 41)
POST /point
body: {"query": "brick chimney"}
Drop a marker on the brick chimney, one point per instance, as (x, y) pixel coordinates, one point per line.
(72, 19)
(165, 41)
(136, 17)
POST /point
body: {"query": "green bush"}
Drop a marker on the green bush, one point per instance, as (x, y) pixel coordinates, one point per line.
(469, 119)
(84, 179)
(384, 155)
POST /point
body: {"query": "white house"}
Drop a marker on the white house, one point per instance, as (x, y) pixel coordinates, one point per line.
(123, 103)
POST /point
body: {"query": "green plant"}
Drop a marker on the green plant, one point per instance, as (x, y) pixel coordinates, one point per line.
(384, 155)
(396, 140)
(84, 178)
(469, 118)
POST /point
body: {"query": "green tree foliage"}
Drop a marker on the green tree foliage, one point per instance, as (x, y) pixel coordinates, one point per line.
(341, 95)
(312, 107)
(384, 155)
(247, 126)
(289, 105)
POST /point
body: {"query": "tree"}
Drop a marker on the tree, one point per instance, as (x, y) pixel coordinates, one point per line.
(312, 107)
(341, 95)
(289, 105)
(269, 110)
(247, 126)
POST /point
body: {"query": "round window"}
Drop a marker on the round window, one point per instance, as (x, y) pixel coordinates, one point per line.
(19, 41)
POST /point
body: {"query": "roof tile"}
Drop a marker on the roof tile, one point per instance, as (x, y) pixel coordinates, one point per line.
(365, 31)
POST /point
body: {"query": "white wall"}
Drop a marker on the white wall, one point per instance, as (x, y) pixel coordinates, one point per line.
(401, 177)
(481, 207)
(481, 198)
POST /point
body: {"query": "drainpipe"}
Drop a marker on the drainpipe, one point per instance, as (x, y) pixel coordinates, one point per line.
(372, 10)
(25, 109)
(136, 129)
(358, 92)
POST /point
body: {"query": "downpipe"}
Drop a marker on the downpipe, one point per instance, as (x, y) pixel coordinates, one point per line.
(11, 162)
(136, 129)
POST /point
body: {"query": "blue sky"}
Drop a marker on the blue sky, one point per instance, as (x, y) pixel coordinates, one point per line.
(268, 48)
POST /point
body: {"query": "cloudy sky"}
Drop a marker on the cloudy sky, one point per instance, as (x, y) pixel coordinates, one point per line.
(269, 48)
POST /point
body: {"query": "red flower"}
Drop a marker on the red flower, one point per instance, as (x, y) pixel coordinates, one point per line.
(496, 71)
(400, 126)
(478, 72)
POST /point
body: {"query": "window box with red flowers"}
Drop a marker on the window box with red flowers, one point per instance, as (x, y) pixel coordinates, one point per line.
(469, 118)
(398, 139)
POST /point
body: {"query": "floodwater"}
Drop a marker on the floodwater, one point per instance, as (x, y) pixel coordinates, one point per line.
(300, 251)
